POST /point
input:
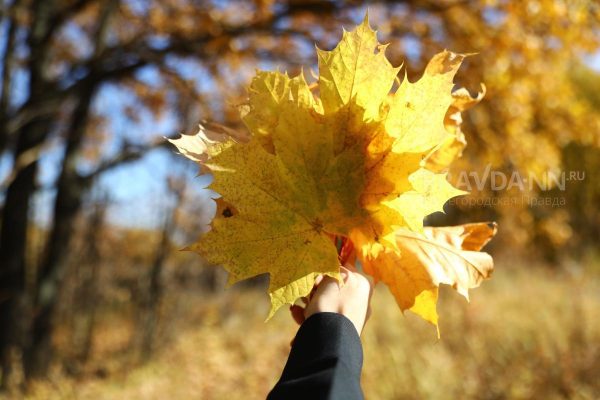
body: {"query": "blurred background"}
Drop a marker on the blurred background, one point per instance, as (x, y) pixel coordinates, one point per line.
(97, 301)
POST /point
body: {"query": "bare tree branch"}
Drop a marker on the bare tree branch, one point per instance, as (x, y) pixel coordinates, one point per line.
(129, 153)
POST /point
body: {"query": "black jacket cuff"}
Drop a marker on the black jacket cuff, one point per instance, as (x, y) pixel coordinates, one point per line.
(325, 361)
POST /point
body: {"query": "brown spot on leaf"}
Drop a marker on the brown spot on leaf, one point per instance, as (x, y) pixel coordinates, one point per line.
(317, 225)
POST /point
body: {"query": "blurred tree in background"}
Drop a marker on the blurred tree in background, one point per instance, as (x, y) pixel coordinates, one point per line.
(89, 87)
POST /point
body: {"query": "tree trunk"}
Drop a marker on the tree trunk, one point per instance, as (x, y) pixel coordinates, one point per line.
(13, 239)
(15, 214)
(151, 293)
(86, 291)
(150, 297)
(70, 191)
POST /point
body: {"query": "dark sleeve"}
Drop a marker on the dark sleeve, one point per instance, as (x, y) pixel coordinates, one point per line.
(324, 363)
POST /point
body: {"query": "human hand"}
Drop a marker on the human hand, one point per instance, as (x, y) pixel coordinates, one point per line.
(351, 299)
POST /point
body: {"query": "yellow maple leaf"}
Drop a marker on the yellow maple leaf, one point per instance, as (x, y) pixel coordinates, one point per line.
(452, 147)
(351, 162)
(448, 255)
(268, 232)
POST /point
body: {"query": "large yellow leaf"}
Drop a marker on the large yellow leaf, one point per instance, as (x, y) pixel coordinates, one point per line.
(267, 232)
(417, 110)
(209, 141)
(354, 81)
(429, 194)
(452, 147)
(350, 163)
(268, 92)
(423, 261)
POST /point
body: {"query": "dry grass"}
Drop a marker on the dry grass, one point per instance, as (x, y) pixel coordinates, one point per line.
(528, 333)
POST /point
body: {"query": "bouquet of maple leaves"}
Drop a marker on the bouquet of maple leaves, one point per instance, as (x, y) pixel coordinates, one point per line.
(355, 164)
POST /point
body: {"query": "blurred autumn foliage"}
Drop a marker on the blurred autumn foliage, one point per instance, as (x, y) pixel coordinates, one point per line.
(90, 87)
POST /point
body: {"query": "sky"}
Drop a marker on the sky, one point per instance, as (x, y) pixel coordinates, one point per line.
(138, 190)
